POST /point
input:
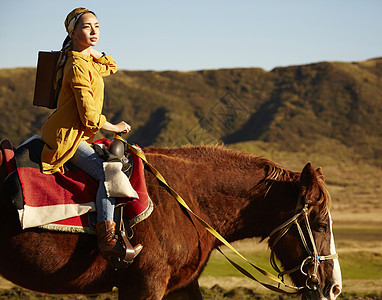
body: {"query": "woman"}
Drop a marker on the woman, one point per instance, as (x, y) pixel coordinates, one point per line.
(69, 131)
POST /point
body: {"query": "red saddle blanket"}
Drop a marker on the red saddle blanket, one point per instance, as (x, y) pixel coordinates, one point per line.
(63, 202)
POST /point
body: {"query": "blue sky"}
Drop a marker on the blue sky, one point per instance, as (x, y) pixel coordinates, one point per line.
(193, 35)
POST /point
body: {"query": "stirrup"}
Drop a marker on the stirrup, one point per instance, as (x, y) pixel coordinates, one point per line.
(131, 253)
(119, 263)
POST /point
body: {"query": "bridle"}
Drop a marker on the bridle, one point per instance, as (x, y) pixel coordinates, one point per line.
(312, 281)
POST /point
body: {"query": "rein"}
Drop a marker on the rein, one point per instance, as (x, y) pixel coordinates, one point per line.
(137, 151)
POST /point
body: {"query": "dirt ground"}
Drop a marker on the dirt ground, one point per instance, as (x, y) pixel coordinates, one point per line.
(214, 293)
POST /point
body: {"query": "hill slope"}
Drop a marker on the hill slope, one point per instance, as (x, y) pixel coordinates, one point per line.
(292, 108)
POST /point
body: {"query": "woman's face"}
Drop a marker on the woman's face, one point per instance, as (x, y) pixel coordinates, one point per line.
(86, 33)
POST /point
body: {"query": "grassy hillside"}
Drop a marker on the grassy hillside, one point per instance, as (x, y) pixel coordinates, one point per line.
(340, 101)
(293, 108)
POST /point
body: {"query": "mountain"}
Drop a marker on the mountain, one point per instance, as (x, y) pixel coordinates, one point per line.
(317, 107)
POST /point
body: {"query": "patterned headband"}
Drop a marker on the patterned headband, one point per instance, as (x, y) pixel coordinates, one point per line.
(73, 17)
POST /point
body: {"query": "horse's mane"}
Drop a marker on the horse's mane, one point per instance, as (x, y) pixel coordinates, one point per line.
(278, 173)
(220, 155)
(325, 200)
(216, 154)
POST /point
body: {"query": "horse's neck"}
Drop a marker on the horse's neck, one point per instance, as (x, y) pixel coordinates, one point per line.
(225, 187)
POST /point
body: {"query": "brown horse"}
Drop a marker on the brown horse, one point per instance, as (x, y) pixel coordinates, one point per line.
(240, 195)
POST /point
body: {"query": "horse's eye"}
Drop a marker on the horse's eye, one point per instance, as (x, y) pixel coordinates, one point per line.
(321, 227)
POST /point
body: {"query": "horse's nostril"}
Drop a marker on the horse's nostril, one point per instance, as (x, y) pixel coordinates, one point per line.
(336, 290)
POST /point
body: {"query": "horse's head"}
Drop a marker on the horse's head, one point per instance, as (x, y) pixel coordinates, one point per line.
(304, 243)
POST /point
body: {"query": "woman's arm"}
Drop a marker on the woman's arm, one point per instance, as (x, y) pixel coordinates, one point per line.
(78, 76)
(121, 127)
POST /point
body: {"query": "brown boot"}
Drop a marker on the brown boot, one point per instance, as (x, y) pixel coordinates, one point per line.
(108, 243)
(107, 240)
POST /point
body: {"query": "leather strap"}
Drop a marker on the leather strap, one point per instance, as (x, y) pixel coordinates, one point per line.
(130, 252)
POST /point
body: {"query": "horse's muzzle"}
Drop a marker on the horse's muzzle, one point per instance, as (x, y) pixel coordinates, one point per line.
(317, 294)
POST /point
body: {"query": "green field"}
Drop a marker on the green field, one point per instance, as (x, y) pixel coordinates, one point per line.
(359, 247)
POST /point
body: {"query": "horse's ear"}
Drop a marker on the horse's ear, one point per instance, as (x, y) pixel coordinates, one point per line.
(320, 174)
(309, 183)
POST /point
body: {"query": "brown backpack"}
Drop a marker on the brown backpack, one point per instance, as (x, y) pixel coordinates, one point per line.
(44, 93)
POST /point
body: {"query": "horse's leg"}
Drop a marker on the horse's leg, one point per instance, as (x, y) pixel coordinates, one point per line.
(190, 292)
(143, 285)
(144, 293)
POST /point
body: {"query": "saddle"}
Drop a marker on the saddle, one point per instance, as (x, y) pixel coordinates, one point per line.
(115, 151)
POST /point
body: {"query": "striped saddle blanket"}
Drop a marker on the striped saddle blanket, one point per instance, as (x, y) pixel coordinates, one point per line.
(63, 202)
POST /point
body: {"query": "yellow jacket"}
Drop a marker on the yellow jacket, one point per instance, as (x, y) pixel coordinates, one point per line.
(79, 109)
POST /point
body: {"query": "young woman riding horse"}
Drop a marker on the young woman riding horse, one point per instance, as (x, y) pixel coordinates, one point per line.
(68, 132)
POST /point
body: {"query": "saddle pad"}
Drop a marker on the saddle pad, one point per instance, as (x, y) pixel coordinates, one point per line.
(62, 201)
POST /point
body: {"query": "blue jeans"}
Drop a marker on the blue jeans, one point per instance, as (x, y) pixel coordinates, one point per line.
(88, 161)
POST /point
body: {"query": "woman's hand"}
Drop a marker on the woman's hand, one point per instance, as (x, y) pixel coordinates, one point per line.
(96, 54)
(121, 127)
